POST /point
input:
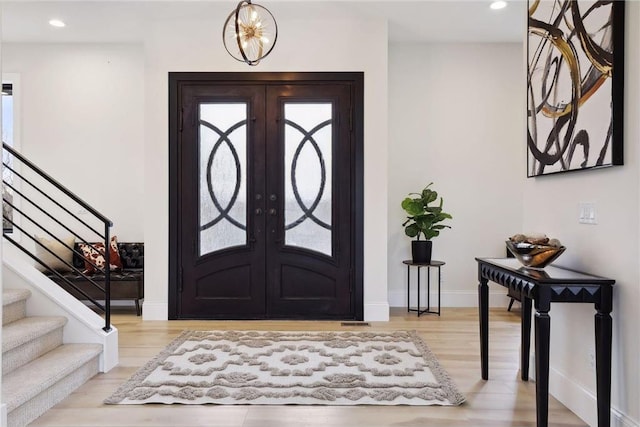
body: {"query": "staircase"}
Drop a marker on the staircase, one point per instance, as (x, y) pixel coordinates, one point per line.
(38, 370)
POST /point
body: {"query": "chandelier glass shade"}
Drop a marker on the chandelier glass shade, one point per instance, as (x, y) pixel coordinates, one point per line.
(250, 32)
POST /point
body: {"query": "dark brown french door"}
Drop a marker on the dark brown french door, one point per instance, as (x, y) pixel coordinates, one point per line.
(265, 222)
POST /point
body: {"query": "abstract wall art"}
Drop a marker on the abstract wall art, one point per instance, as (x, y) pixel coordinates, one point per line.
(574, 85)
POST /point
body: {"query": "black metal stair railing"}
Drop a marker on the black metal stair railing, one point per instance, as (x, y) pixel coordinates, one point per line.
(67, 221)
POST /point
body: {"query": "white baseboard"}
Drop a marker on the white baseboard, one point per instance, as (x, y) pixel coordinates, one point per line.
(582, 401)
(376, 312)
(3, 415)
(155, 310)
(450, 299)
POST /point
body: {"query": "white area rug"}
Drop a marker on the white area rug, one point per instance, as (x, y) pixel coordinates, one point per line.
(305, 368)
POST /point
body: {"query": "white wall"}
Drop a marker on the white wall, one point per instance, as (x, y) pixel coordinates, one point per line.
(82, 122)
(88, 96)
(455, 115)
(608, 249)
(3, 406)
(456, 119)
(312, 43)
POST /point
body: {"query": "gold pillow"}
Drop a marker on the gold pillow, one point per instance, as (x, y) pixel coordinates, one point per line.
(59, 249)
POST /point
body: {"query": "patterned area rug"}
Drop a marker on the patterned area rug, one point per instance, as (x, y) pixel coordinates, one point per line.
(304, 368)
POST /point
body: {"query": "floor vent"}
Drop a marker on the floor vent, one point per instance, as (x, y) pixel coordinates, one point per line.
(355, 324)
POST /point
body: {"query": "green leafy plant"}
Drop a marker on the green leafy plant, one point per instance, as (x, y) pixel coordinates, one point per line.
(423, 219)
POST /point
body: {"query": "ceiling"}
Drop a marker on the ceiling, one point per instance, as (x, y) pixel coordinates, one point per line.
(126, 21)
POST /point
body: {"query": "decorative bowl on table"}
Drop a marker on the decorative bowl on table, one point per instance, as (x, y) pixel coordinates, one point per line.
(535, 253)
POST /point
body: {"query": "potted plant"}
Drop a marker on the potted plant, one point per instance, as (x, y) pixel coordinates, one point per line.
(423, 220)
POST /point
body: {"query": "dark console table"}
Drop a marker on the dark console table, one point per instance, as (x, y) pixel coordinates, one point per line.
(553, 284)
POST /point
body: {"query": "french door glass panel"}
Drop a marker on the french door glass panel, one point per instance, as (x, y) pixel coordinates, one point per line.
(308, 143)
(222, 176)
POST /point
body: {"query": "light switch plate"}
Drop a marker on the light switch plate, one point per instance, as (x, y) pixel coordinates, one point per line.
(587, 213)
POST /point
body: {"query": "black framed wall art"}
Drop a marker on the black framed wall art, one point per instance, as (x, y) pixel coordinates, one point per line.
(575, 83)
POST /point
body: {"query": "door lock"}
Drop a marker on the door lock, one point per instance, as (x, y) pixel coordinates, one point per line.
(273, 197)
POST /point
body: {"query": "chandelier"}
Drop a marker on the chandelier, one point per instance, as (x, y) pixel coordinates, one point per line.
(250, 32)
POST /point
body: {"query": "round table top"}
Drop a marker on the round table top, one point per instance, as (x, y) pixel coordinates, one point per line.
(433, 263)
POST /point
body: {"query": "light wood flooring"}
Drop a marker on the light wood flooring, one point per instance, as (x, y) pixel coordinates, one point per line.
(504, 400)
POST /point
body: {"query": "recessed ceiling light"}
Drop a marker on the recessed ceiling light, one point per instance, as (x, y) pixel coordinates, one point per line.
(500, 4)
(56, 23)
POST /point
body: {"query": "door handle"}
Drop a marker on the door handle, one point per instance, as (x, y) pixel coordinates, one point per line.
(258, 211)
(273, 212)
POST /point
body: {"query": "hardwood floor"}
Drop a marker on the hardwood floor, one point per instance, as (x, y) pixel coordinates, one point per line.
(504, 400)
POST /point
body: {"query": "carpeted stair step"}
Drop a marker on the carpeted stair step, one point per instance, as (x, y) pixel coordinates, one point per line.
(14, 304)
(28, 338)
(37, 386)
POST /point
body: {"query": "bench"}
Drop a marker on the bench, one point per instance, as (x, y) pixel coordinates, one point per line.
(127, 284)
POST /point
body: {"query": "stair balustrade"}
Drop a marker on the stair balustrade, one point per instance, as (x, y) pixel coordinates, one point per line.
(30, 197)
